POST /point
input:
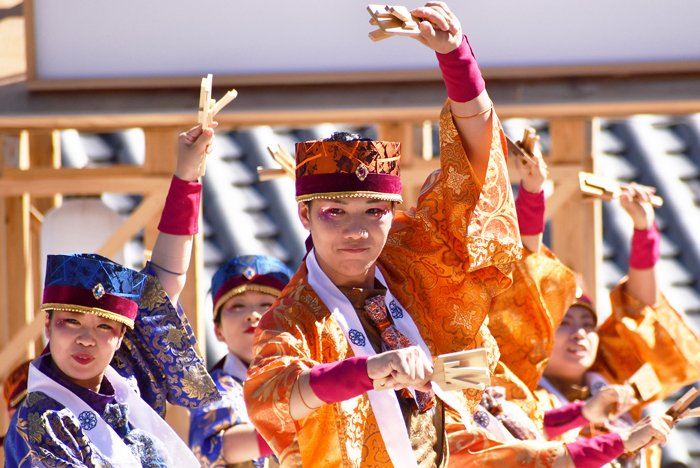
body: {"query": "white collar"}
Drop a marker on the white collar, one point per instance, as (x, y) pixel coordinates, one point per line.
(234, 367)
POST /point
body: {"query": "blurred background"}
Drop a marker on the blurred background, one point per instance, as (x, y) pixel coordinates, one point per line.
(94, 94)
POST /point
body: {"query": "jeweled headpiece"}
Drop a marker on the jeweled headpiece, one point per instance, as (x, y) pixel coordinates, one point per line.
(358, 168)
(248, 273)
(90, 283)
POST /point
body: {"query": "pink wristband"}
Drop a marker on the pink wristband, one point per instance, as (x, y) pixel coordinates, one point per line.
(645, 248)
(530, 209)
(181, 211)
(341, 380)
(263, 446)
(461, 73)
(596, 451)
(557, 421)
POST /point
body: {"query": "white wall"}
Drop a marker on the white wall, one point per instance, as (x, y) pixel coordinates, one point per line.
(160, 38)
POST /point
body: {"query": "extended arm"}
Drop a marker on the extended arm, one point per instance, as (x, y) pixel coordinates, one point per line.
(179, 221)
(470, 103)
(642, 283)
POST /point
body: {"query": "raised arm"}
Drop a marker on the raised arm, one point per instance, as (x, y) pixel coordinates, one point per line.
(470, 103)
(179, 221)
(642, 283)
(530, 204)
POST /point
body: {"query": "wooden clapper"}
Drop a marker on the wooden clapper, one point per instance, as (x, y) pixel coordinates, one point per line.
(392, 21)
(593, 186)
(209, 107)
(525, 149)
(284, 159)
(646, 385)
(456, 371)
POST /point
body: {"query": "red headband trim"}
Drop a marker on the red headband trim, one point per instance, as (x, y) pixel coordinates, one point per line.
(348, 182)
(239, 280)
(73, 295)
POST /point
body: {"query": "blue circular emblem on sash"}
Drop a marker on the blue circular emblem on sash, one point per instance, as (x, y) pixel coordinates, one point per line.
(357, 338)
(395, 310)
(88, 420)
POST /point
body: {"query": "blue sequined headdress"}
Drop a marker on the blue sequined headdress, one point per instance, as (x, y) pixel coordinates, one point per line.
(248, 273)
(89, 283)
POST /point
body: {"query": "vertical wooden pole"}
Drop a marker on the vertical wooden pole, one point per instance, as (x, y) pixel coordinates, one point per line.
(577, 231)
(44, 152)
(161, 158)
(404, 133)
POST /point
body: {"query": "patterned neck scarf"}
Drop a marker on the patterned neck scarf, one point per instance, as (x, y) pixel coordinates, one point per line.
(393, 339)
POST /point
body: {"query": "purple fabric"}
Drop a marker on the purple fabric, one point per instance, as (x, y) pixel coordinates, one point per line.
(339, 381)
(560, 420)
(348, 182)
(645, 248)
(596, 451)
(530, 208)
(181, 211)
(461, 73)
(96, 401)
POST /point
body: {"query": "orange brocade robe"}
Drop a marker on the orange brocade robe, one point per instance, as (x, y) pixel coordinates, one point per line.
(444, 261)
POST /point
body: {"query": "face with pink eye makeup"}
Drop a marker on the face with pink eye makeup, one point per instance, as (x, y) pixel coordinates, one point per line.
(82, 345)
(349, 234)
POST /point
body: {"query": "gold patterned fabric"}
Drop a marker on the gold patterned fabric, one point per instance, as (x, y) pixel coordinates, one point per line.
(443, 270)
(635, 334)
(524, 318)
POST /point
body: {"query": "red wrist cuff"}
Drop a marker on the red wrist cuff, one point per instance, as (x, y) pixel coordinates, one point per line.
(181, 211)
(557, 421)
(341, 380)
(530, 209)
(596, 451)
(645, 248)
(263, 446)
(461, 73)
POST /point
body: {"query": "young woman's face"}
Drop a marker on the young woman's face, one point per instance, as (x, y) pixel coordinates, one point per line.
(348, 234)
(575, 345)
(83, 345)
(239, 317)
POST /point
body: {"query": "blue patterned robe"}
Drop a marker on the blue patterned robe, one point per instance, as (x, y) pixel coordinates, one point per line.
(158, 356)
(208, 423)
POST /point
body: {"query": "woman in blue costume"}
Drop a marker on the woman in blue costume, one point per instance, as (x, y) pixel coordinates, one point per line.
(120, 347)
(221, 433)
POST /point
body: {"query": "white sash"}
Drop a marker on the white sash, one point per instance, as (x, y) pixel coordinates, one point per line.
(385, 404)
(101, 434)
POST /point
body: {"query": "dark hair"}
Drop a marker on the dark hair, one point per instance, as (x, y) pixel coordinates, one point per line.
(347, 136)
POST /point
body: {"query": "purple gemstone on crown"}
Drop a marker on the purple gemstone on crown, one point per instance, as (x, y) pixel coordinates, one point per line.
(361, 172)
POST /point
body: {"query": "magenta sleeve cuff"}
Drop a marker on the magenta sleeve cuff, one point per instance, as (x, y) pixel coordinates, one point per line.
(181, 211)
(557, 421)
(530, 209)
(263, 446)
(645, 248)
(596, 451)
(341, 380)
(461, 73)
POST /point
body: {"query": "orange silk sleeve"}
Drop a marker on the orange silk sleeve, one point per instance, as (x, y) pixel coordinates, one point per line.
(477, 222)
(635, 334)
(524, 318)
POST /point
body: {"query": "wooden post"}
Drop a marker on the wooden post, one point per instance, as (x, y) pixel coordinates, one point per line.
(161, 157)
(44, 151)
(577, 231)
(404, 133)
(161, 154)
